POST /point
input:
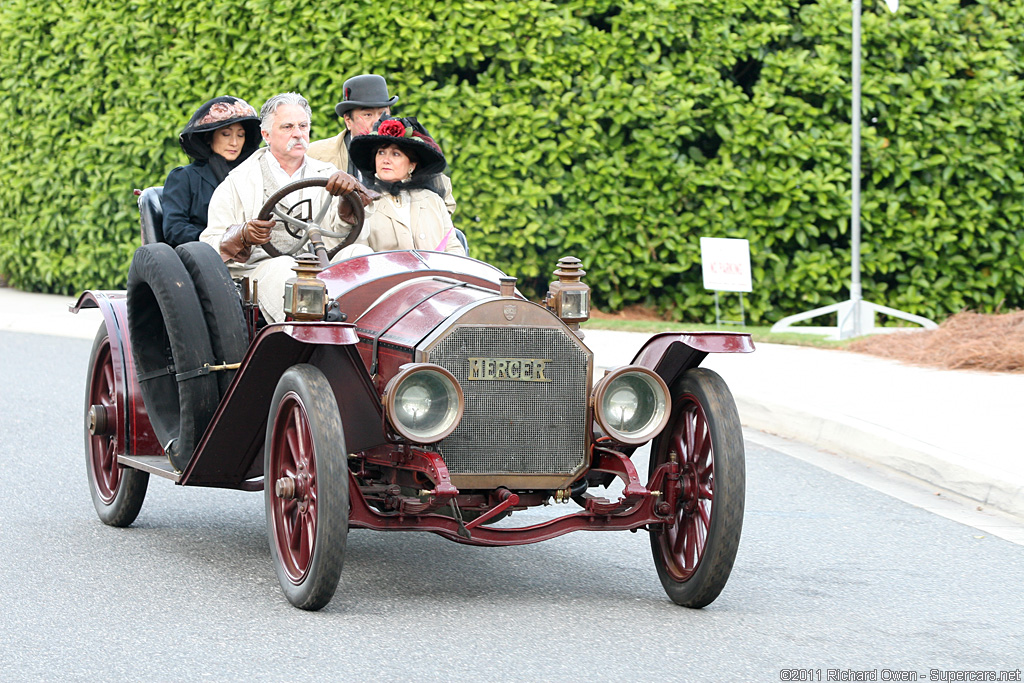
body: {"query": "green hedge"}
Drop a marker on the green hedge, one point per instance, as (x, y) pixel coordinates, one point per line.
(617, 131)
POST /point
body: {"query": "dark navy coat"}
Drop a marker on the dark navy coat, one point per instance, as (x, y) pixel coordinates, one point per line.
(186, 202)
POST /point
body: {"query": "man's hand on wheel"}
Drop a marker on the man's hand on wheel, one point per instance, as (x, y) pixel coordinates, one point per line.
(257, 231)
(343, 183)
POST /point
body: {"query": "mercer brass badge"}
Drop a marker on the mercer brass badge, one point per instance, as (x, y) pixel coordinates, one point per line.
(510, 311)
(515, 369)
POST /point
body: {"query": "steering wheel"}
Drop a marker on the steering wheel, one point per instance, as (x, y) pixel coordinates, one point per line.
(309, 231)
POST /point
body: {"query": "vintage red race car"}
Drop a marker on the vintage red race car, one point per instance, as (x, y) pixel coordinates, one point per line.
(408, 390)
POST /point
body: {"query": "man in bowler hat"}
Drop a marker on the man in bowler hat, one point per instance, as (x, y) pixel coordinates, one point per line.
(365, 99)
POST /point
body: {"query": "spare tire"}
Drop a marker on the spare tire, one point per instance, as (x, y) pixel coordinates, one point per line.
(221, 305)
(171, 348)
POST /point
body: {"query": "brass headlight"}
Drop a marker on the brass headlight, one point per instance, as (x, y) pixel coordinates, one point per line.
(424, 402)
(631, 404)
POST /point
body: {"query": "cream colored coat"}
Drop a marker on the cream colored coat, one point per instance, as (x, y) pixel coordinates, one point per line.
(241, 196)
(429, 222)
(335, 151)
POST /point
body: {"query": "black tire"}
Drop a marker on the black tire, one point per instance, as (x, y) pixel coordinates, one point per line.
(221, 304)
(308, 531)
(167, 329)
(117, 492)
(695, 550)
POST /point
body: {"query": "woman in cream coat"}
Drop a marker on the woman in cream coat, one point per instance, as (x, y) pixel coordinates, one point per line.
(403, 163)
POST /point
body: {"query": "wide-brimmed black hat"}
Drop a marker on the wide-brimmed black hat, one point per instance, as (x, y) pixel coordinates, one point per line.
(409, 135)
(368, 91)
(217, 113)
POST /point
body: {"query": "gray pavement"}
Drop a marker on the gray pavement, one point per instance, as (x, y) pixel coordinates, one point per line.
(956, 430)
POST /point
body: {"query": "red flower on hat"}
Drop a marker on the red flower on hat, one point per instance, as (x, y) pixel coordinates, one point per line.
(392, 128)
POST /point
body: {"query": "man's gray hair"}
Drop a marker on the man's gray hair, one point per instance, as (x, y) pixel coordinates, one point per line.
(270, 108)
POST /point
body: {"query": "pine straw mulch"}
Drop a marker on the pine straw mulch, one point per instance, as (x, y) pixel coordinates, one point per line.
(965, 341)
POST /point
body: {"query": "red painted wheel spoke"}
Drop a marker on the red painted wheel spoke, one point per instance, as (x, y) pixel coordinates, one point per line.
(686, 450)
(690, 547)
(684, 540)
(108, 384)
(112, 473)
(292, 446)
(308, 537)
(700, 444)
(705, 516)
(678, 535)
(295, 531)
(106, 451)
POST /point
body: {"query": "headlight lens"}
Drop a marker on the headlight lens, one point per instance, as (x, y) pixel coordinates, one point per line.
(632, 404)
(424, 402)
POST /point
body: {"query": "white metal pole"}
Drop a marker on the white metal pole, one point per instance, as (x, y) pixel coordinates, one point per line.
(855, 289)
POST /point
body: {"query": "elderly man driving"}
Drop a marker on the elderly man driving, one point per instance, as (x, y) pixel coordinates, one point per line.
(233, 229)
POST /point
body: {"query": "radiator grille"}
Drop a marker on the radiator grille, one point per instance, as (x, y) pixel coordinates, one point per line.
(517, 427)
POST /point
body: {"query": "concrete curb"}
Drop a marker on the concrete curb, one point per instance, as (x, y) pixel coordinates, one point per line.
(877, 445)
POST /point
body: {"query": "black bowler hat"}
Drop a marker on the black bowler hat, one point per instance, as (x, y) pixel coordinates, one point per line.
(368, 91)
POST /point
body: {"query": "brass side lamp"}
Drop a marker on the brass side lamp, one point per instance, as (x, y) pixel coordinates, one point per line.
(305, 296)
(568, 296)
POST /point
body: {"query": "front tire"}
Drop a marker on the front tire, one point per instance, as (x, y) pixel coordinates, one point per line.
(695, 549)
(306, 487)
(117, 492)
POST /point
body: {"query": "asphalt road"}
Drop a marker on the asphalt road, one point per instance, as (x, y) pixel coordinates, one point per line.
(831, 574)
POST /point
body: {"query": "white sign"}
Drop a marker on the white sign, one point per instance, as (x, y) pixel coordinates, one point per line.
(726, 264)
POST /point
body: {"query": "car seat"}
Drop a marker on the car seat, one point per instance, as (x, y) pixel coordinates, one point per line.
(461, 237)
(151, 214)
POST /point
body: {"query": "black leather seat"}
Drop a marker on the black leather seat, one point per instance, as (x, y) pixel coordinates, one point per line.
(461, 237)
(151, 214)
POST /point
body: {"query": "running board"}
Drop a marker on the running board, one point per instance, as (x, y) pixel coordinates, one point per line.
(154, 464)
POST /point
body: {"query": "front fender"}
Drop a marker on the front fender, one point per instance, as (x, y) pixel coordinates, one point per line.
(672, 353)
(230, 451)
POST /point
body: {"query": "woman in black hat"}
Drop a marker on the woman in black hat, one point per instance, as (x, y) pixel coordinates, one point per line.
(219, 136)
(403, 163)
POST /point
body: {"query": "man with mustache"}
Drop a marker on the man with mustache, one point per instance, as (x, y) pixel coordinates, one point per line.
(233, 229)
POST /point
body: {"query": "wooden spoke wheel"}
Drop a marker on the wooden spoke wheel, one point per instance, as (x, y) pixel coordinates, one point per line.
(117, 492)
(695, 548)
(306, 490)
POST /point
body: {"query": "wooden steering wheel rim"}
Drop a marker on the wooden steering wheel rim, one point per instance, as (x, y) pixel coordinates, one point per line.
(352, 198)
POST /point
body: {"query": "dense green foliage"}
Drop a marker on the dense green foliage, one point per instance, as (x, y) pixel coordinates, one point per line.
(620, 132)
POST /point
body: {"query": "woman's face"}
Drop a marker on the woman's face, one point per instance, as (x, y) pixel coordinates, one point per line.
(228, 141)
(393, 164)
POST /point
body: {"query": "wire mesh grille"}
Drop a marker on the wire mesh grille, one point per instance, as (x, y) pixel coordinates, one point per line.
(515, 426)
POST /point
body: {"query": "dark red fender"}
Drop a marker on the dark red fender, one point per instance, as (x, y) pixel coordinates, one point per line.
(134, 432)
(671, 353)
(231, 450)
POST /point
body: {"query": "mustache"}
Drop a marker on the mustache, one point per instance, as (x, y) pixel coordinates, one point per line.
(295, 142)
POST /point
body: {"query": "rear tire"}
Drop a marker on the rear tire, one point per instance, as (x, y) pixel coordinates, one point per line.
(308, 528)
(117, 492)
(221, 305)
(168, 330)
(695, 549)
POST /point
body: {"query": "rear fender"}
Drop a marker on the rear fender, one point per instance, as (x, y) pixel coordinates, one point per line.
(670, 354)
(135, 434)
(230, 453)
